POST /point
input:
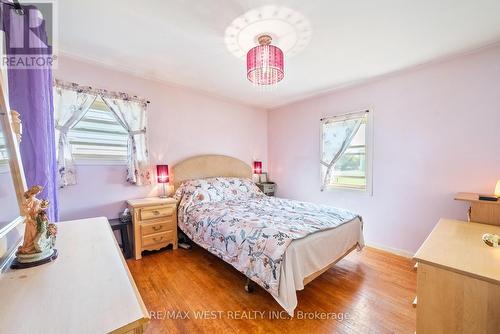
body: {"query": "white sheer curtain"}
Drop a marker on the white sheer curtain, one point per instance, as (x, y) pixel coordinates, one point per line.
(69, 108)
(131, 114)
(336, 136)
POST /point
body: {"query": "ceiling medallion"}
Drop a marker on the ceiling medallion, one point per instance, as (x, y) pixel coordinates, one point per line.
(287, 30)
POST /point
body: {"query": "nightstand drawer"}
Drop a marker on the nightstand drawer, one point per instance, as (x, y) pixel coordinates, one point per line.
(158, 227)
(158, 238)
(266, 188)
(157, 212)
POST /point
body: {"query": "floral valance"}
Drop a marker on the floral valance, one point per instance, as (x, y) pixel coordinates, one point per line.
(99, 92)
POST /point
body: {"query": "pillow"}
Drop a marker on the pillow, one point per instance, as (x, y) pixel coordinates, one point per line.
(197, 191)
(236, 189)
(216, 189)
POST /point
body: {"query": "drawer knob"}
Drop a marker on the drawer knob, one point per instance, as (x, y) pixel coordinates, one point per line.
(157, 228)
(158, 239)
(156, 212)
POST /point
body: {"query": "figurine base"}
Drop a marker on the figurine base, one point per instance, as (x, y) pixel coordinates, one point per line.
(22, 265)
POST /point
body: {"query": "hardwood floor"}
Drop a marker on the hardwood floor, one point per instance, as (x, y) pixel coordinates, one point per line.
(373, 291)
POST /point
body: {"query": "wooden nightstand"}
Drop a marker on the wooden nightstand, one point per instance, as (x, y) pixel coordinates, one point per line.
(155, 223)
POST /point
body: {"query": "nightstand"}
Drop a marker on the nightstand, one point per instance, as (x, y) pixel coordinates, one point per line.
(267, 188)
(118, 225)
(155, 223)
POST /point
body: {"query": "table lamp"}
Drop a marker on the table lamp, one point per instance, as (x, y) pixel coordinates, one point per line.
(162, 174)
(497, 189)
(257, 167)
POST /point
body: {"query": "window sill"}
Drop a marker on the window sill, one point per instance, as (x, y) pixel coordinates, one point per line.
(365, 190)
(4, 168)
(97, 162)
(331, 187)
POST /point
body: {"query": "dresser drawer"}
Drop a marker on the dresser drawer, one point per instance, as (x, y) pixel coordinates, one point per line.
(157, 212)
(157, 227)
(158, 238)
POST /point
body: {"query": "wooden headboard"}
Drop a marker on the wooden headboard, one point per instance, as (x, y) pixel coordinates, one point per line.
(203, 166)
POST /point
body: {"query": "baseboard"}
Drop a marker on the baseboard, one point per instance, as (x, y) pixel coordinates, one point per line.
(396, 251)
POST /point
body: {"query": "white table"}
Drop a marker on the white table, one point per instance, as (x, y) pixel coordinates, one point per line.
(87, 289)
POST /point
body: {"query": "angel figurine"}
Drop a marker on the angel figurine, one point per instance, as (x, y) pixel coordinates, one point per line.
(39, 234)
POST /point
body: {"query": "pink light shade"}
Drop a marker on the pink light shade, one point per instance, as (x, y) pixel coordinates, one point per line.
(257, 167)
(162, 173)
(265, 63)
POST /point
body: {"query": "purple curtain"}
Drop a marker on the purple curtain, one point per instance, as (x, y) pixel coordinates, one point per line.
(30, 94)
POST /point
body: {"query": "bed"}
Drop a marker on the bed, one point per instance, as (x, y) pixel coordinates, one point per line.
(280, 244)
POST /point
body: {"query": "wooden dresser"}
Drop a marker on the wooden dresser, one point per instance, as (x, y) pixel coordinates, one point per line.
(458, 280)
(87, 289)
(155, 223)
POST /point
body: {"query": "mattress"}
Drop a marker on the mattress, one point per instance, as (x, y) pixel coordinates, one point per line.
(308, 255)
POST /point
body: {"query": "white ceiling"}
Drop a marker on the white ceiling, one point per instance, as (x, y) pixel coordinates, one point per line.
(182, 42)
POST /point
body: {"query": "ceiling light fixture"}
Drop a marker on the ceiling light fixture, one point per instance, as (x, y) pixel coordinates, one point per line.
(288, 31)
(265, 63)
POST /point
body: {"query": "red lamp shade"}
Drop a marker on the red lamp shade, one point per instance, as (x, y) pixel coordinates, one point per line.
(257, 167)
(162, 173)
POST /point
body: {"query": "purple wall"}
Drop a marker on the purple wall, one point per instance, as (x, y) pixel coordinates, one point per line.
(436, 132)
(182, 123)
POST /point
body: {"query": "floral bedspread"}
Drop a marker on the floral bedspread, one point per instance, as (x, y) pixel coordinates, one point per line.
(234, 220)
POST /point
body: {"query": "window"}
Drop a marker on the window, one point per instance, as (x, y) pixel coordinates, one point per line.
(99, 136)
(345, 154)
(4, 157)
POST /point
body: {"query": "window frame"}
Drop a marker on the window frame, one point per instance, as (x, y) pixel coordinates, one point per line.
(4, 163)
(368, 189)
(97, 160)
